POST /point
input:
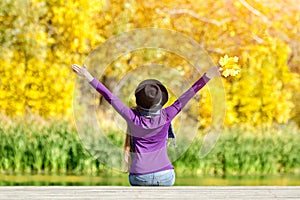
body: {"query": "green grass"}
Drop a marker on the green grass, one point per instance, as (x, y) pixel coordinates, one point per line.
(56, 149)
(242, 152)
(25, 148)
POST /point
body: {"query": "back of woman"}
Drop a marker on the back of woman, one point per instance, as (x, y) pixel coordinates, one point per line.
(148, 125)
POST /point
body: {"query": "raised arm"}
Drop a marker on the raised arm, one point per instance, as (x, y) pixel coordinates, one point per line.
(178, 105)
(117, 104)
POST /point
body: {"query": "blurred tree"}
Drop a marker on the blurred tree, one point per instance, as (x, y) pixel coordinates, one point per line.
(264, 36)
(23, 47)
(40, 39)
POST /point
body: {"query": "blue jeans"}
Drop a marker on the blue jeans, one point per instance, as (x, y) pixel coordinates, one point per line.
(162, 178)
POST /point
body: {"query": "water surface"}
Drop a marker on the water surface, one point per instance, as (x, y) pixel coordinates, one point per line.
(122, 180)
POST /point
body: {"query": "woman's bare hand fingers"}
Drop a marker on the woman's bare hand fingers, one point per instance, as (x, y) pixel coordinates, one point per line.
(82, 71)
(76, 68)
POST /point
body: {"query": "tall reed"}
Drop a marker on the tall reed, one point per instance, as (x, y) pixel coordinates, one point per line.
(244, 152)
(56, 148)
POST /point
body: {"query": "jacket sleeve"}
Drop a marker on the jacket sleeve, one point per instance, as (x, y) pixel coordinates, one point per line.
(116, 103)
(179, 104)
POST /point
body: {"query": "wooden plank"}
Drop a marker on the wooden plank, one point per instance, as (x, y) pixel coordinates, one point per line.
(123, 192)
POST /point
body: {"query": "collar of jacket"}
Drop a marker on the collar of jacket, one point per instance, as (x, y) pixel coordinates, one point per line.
(149, 113)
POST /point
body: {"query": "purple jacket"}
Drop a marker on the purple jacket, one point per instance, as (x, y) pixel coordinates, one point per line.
(149, 134)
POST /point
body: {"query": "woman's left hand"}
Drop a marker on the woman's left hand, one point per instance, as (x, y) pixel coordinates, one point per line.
(82, 71)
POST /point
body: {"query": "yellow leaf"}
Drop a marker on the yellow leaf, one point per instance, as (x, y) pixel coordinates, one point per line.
(229, 66)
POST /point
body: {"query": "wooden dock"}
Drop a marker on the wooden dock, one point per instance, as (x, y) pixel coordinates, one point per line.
(128, 193)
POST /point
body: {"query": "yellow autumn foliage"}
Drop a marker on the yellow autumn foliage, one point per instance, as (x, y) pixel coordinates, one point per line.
(229, 66)
(41, 39)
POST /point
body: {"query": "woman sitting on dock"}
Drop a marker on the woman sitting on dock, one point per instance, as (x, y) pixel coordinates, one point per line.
(148, 125)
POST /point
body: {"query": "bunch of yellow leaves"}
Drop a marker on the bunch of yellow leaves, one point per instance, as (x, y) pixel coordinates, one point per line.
(229, 66)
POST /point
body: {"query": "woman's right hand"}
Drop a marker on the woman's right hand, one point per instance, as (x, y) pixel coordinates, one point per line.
(82, 71)
(212, 72)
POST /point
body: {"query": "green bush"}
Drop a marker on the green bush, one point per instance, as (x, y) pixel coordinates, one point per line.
(56, 148)
(240, 152)
(25, 148)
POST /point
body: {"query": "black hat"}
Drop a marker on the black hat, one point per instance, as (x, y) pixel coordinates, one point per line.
(151, 94)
